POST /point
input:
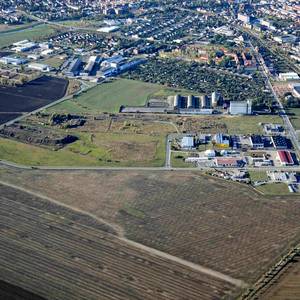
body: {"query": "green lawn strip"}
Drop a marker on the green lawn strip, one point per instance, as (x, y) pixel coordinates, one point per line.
(274, 189)
(35, 33)
(258, 175)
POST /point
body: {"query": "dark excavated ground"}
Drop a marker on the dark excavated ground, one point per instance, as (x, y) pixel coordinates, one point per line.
(30, 96)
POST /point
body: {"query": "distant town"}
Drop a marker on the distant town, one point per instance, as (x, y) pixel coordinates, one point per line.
(156, 145)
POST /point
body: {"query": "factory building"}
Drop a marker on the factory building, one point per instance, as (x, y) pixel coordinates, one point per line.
(24, 46)
(279, 142)
(89, 66)
(187, 142)
(7, 60)
(285, 158)
(296, 89)
(240, 107)
(229, 162)
(221, 141)
(177, 101)
(191, 102)
(257, 142)
(74, 67)
(39, 67)
(215, 99)
(288, 76)
(205, 101)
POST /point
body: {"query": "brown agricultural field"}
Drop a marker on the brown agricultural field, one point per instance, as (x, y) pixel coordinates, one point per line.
(50, 251)
(221, 225)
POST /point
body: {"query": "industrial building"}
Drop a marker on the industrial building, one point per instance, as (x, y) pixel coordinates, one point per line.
(296, 89)
(7, 60)
(229, 162)
(221, 141)
(240, 107)
(187, 142)
(285, 158)
(74, 67)
(205, 101)
(89, 66)
(108, 29)
(257, 142)
(215, 99)
(288, 76)
(191, 102)
(39, 67)
(24, 46)
(279, 142)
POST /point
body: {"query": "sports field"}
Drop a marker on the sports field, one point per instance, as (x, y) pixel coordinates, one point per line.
(34, 33)
(108, 97)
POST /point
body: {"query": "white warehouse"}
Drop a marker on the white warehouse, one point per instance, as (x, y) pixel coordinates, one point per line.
(240, 107)
(39, 67)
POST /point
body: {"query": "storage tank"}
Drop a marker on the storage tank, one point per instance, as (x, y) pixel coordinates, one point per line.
(177, 101)
(190, 101)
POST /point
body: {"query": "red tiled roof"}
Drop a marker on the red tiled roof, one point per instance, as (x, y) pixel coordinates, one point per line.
(285, 157)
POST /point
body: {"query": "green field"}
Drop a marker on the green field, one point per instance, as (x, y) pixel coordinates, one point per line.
(54, 62)
(258, 175)
(34, 33)
(249, 124)
(177, 160)
(295, 117)
(108, 97)
(274, 189)
(101, 149)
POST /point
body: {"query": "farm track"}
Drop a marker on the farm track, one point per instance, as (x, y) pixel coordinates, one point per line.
(57, 257)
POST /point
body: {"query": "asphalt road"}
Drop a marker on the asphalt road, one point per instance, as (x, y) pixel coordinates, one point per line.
(289, 127)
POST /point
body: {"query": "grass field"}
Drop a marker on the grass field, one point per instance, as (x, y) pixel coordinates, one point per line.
(108, 97)
(258, 175)
(274, 189)
(221, 225)
(295, 117)
(54, 62)
(249, 124)
(100, 149)
(36, 33)
(225, 123)
(177, 160)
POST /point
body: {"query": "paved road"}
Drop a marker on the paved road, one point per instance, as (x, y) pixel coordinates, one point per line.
(289, 127)
(197, 169)
(168, 152)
